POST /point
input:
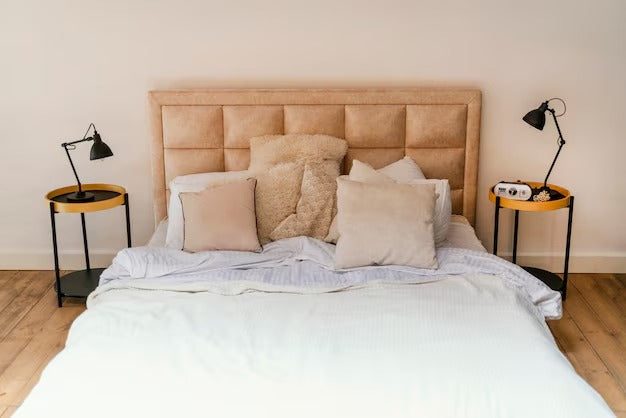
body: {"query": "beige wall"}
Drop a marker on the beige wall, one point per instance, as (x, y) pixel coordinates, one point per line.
(68, 63)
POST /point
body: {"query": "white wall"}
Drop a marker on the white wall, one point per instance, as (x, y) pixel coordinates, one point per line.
(67, 63)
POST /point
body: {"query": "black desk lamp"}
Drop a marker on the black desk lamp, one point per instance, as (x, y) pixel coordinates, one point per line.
(537, 119)
(98, 150)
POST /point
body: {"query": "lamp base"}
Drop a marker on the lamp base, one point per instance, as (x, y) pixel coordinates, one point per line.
(80, 197)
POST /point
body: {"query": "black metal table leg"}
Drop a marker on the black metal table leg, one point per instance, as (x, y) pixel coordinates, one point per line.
(515, 236)
(57, 277)
(126, 205)
(567, 245)
(80, 283)
(85, 246)
(495, 226)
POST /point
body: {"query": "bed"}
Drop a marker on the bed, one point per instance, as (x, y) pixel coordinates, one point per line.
(280, 333)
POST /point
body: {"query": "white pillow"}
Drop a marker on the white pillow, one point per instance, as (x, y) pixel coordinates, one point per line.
(365, 173)
(192, 183)
(443, 207)
(403, 171)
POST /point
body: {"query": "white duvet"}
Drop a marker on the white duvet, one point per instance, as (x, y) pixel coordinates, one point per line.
(281, 334)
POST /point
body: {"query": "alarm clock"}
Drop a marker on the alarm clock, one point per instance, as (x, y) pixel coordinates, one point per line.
(513, 190)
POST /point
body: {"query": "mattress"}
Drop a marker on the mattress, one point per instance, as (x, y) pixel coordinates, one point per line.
(282, 333)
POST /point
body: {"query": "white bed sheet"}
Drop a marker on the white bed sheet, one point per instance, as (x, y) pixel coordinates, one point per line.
(304, 265)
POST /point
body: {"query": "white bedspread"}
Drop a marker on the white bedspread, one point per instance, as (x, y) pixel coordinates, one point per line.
(280, 334)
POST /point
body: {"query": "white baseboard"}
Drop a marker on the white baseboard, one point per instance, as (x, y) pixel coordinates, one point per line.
(578, 263)
(75, 260)
(44, 260)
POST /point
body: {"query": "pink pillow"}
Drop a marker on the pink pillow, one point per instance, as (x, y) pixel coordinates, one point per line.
(221, 218)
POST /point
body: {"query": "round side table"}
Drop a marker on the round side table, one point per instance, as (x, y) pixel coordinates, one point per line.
(106, 196)
(567, 201)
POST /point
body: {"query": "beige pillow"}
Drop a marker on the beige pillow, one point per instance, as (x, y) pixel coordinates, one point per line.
(407, 172)
(382, 224)
(221, 218)
(365, 174)
(267, 151)
(443, 207)
(315, 208)
(192, 183)
(277, 194)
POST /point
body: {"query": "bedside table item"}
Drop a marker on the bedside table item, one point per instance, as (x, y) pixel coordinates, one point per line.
(513, 190)
(537, 119)
(99, 150)
(551, 279)
(105, 196)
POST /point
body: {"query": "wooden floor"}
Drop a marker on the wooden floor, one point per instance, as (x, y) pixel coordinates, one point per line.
(592, 332)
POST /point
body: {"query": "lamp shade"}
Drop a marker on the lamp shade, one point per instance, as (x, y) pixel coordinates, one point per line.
(99, 149)
(537, 117)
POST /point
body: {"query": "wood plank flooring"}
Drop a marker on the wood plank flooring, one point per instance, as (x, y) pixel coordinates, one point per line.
(32, 331)
(592, 333)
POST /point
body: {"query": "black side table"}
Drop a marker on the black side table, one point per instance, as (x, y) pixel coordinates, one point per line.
(567, 201)
(81, 283)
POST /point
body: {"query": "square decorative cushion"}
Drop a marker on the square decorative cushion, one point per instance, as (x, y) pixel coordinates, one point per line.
(315, 208)
(364, 173)
(303, 212)
(221, 218)
(381, 224)
(192, 183)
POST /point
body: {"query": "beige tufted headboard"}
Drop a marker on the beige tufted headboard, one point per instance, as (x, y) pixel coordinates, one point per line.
(198, 131)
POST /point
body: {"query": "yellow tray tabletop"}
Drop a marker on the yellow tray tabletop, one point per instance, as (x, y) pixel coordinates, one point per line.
(530, 205)
(107, 196)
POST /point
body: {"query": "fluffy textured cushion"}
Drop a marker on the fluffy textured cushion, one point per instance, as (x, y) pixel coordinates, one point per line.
(192, 183)
(305, 211)
(403, 171)
(277, 195)
(382, 224)
(221, 218)
(267, 151)
(315, 208)
(364, 173)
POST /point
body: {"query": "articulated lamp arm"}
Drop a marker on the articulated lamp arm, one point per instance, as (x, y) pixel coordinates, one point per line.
(561, 142)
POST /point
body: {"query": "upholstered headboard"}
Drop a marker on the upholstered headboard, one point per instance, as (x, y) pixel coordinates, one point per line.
(198, 131)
